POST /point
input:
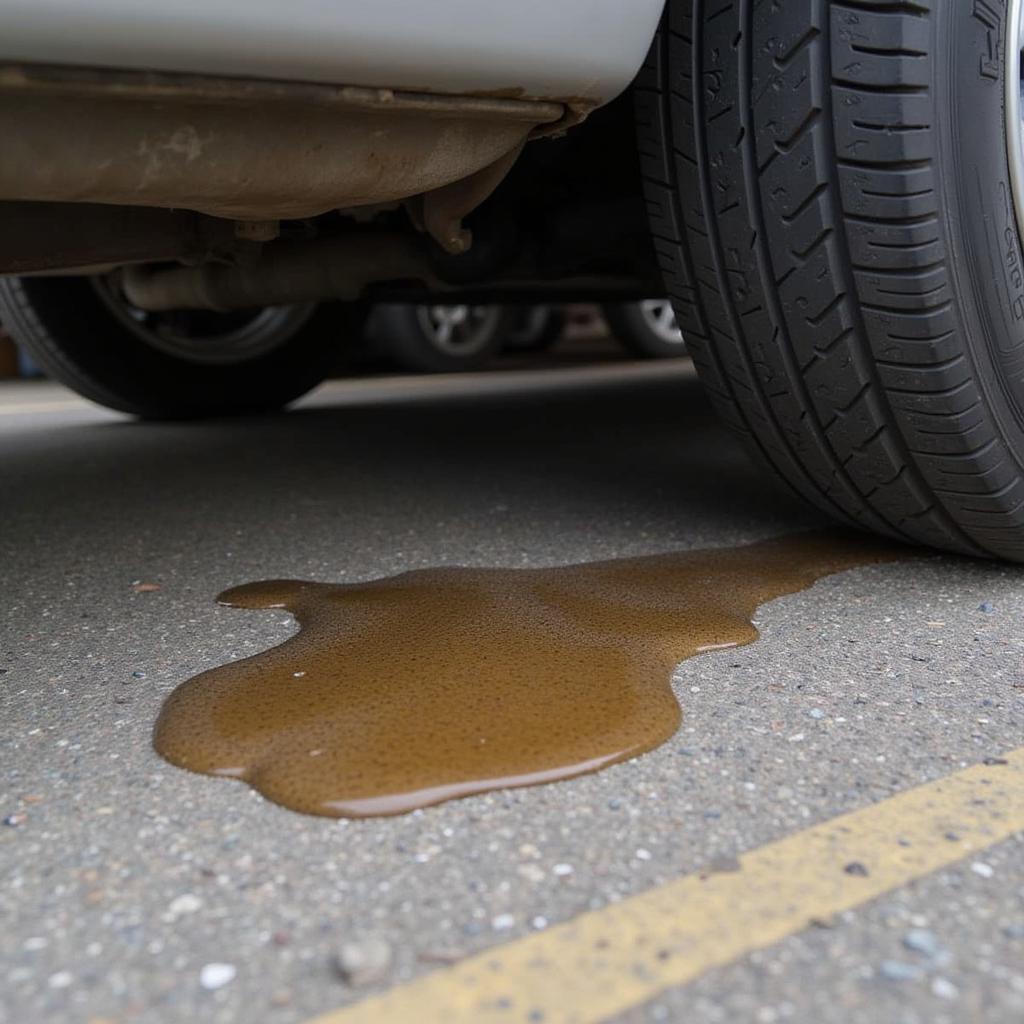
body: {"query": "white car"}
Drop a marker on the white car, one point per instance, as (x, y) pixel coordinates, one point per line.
(831, 194)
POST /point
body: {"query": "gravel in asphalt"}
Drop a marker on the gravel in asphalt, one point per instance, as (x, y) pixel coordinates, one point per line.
(137, 892)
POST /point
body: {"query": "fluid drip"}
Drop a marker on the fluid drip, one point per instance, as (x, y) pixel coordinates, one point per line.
(441, 683)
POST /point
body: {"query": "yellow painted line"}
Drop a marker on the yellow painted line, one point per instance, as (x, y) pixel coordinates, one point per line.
(607, 961)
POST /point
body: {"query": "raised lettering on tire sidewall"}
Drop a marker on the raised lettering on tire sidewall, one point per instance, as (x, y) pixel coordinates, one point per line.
(983, 236)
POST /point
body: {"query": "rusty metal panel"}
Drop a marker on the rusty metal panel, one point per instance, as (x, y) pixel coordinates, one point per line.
(242, 149)
(559, 49)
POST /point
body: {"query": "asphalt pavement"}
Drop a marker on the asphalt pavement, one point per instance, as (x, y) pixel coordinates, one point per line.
(136, 892)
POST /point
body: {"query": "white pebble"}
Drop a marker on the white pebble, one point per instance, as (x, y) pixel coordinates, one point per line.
(979, 867)
(561, 870)
(944, 989)
(503, 922)
(186, 903)
(643, 854)
(62, 979)
(214, 976)
(539, 922)
(365, 961)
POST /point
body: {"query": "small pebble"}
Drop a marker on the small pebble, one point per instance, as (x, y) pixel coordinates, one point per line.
(18, 818)
(944, 988)
(816, 713)
(986, 606)
(979, 867)
(643, 854)
(503, 922)
(856, 869)
(62, 979)
(922, 941)
(186, 903)
(562, 870)
(539, 922)
(896, 970)
(214, 976)
(1014, 931)
(364, 962)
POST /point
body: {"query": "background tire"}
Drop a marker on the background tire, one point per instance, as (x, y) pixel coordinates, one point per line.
(648, 329)
(71, 328)
(535, 329)
(829, 190)
(442, 338)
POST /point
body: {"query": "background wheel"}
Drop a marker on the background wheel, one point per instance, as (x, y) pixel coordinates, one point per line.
(646, 329)
(82, 332)
(535, 329)
(830, 188)
(442, 339)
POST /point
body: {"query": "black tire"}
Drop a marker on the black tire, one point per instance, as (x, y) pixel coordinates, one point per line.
(633, 329)
(535, 329)
(829, 190)
(75, 338)
(405, 335)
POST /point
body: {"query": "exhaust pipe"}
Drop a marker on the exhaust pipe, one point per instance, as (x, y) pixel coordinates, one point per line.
(286, 273)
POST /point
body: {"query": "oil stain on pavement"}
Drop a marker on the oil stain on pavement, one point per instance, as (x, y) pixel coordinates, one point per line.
(441, 683)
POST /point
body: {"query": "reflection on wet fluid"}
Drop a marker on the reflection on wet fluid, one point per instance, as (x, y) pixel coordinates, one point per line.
(440, 683)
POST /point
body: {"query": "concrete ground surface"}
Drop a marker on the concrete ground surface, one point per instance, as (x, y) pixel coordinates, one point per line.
(123, 878)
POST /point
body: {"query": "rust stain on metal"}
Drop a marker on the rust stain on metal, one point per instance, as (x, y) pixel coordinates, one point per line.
(249, 150)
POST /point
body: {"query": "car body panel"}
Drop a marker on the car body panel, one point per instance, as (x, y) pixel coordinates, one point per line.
(557, 49)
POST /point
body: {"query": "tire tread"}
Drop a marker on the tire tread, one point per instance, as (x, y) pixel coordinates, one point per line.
(795, 203)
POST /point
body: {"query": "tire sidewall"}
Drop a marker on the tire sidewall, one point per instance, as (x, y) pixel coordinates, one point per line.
(983, 236)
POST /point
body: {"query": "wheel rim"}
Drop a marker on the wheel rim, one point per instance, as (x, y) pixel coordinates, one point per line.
(1014, 105)
(531, 323)
(660, 317)
(204, 336)
(459, 330)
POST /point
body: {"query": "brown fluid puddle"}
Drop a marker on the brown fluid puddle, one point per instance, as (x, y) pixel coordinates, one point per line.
(440, 683)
